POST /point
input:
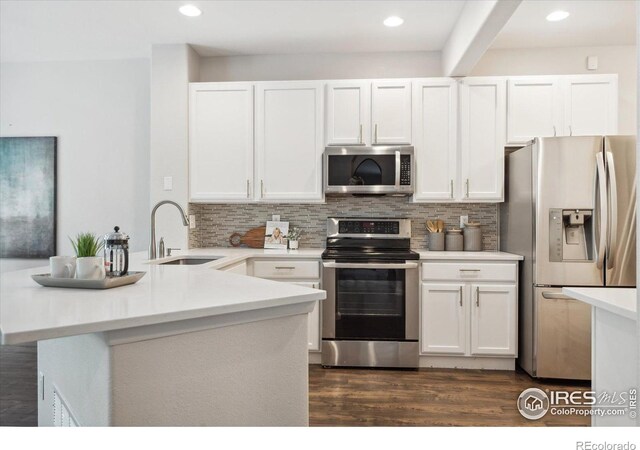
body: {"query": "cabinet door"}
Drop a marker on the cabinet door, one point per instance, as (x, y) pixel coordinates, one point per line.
(314, 321)
(590, 105)
(348, 113)
(289, 141)
(534, 108)
(493, 320)
(391, 112)
(434, 138)
(443, 322)
(220, 141)
(482, 138)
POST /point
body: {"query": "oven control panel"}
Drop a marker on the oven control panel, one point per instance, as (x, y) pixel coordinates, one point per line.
(368, 227)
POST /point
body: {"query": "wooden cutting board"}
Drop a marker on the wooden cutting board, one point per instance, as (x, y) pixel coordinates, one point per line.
(253, 238)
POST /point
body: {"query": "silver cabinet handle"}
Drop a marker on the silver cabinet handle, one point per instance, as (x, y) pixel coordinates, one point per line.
(570, 131)
(375, 134)
(261, 188)
(285, 267)
(460, 295)
(556, 296)
(477, 296)
(467, 188)
(451, 189)
(360, 138)
(469, 270)
(554, 131)
(248, 189)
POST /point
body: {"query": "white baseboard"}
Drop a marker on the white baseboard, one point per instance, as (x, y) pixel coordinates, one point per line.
(466, 362)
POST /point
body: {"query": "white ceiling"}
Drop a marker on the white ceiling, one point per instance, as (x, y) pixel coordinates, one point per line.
(73, 30)
(86, 29)
(591, 23)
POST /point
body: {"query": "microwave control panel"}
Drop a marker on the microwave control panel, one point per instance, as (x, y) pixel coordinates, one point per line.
(405, 170)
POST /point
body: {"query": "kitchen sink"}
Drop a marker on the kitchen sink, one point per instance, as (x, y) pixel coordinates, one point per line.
(189, 261)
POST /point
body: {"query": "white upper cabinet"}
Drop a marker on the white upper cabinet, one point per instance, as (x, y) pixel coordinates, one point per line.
(482, 138)
(590, 105)
(289, 141)
(391, 112)
(220, 141)
(435, 116)
(563, 105)
(493, 320)
(534, 108)
(348, 113)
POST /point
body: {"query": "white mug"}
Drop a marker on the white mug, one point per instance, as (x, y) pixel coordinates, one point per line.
(62, 266)
(90, 268)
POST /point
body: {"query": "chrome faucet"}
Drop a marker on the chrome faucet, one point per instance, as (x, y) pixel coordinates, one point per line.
(152, 245)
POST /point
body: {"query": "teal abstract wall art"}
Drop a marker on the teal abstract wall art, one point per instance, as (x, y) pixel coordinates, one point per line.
(27, 197)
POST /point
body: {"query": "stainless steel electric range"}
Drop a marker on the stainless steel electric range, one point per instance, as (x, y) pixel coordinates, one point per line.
(370, 316)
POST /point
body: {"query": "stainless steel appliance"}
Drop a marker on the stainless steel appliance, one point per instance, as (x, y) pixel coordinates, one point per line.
(379, 170)
(570, 211)
(370, 316)
(116, 253)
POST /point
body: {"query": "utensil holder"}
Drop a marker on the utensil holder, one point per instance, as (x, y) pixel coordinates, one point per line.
(436, 242)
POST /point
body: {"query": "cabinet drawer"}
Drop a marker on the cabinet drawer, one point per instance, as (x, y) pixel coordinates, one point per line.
(440, 271)
(286, 269)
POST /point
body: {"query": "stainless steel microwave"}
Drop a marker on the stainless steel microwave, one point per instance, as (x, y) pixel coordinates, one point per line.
(379, 170)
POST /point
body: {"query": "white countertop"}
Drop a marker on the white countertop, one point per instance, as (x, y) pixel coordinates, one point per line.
(474, 256)
(30, 312)
(621, 301)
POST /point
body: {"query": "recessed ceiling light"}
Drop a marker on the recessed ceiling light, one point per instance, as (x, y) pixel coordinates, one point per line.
(557, 15)
(190, 10)
(393, 21)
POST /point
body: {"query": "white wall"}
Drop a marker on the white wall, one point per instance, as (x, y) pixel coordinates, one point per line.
(572, 60)
(99, 111)
(172, 68)
(324, 66)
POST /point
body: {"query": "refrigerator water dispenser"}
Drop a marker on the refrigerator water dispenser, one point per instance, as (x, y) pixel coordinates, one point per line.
(570, 232)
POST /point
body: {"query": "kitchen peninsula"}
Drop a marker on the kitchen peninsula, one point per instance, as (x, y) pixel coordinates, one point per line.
(185, 345)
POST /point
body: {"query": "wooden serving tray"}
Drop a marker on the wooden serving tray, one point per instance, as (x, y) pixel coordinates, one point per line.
(45, 279)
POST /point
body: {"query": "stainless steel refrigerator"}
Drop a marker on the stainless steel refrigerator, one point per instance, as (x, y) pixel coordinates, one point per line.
(570, 210)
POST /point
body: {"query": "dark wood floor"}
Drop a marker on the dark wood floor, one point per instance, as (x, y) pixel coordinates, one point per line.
(348, 397)
(425, 397)
(18, 385)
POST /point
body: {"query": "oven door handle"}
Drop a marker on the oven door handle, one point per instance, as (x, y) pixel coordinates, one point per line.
(335, 265)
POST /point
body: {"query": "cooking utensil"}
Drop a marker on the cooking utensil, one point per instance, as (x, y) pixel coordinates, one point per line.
(253, 238)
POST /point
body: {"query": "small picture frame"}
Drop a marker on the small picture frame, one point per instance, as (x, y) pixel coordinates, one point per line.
(276, 235)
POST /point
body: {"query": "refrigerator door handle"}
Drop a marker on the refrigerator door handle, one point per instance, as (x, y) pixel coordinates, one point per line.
(603, 212)
(612, 239)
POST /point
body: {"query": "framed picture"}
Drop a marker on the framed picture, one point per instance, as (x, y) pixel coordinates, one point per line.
(27, 197)
(275, 235)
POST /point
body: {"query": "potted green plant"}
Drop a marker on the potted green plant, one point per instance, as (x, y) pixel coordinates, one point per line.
(89, 266)
(293, 237)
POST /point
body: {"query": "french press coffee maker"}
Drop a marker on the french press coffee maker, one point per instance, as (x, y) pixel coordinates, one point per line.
(116, 253)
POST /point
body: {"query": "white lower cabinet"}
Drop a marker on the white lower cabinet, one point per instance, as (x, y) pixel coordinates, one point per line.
(301, 272)
(470, 312)
(493, 319)
(443, 319)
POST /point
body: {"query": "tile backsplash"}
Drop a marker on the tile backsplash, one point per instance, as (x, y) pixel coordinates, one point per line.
(216, 222)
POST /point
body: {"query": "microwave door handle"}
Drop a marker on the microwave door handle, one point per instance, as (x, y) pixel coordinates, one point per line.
(612, 238)
(603, 212)
(397, 169)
